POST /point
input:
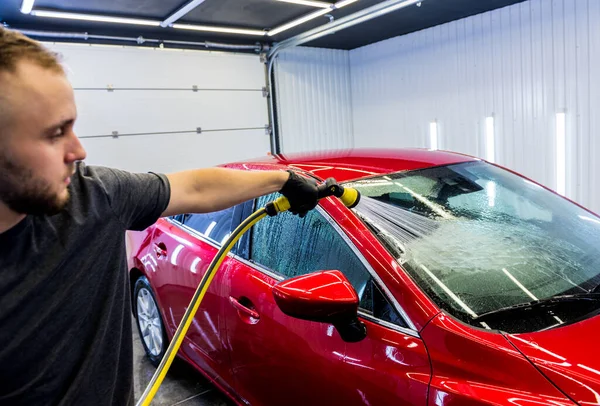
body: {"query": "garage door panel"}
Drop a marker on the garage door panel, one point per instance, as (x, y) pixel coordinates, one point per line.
(99, 66)
(101, 113)
(174, 152)
(139, 91)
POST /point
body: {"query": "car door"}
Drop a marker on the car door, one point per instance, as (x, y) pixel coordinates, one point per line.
(278, 360)
(184, 252)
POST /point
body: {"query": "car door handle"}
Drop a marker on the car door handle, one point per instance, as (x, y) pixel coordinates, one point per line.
(239, 306)
(160, 249)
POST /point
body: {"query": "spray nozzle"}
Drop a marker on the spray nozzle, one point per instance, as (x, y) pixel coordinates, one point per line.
(349, 196)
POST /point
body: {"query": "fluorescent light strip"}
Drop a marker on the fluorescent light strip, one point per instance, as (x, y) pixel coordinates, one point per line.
(181, 12)
(193, 267)
(308, 17)
(433, 206)
(537, 347)
(299, 21)
(490, 152)
(589, 219)
(561, 164)
(524, 289)
(90, 17)
(359, 20)
(433, 135)
(175, 254)
(491, 193)
(519, 284)
(320, 4)
(449, 292)
(226, 30)
(210, 228)
(344, 3)
(27, 6)
(589, 369)
(121, 20)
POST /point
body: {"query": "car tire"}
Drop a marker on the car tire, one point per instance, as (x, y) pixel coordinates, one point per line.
(149, 322)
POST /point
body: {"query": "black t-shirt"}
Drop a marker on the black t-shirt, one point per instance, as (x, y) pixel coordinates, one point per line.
(65, 307)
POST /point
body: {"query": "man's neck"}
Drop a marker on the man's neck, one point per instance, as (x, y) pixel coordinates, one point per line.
(9, 218)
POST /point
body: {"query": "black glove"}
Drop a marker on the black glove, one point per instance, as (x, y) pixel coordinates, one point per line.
(301, 192)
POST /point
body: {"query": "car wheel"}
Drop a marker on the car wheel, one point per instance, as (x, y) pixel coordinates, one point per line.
(149, 323)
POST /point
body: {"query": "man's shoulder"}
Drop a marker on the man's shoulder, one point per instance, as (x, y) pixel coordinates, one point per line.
(105, 174)
(137, 199)
(96, 172)
(101, 178)
(88, 194)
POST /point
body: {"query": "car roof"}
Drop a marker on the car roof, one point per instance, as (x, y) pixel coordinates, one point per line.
(346, 165)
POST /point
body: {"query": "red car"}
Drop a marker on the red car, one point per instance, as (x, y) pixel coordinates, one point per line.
(453, 282)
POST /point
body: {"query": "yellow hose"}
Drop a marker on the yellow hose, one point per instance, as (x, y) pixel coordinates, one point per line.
(281, 205)
(349, 197)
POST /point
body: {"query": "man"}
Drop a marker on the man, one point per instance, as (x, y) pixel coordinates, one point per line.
(65, 324)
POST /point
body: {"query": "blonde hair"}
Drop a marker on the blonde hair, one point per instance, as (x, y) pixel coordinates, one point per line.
(16, 47)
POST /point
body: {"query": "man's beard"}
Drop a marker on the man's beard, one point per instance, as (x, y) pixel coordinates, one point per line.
(25, 194)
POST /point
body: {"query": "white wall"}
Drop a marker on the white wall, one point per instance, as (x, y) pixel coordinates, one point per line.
(521, 64)
(235, 104)
(314, 99)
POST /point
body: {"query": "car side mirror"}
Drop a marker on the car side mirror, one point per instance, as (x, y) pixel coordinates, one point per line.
(324, 297)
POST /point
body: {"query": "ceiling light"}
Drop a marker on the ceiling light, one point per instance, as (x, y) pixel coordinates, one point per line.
(219, 29)
(308, 17)
(490, 188)
(27, 6)
(561, 158)
(299, 21)
(363, 15)
(320, 4)
(181, 12)
(490, 153)
(367, 17)
(91, 17)
(344, 3)
(433, 135)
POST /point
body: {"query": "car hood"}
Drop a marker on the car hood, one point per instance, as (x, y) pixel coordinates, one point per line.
(568, 356)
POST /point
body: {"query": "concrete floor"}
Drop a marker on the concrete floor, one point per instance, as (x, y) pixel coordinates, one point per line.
(182, 386)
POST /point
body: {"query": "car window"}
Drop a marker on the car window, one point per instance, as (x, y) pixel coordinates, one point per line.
(503, 201)
(178, 217)
(292, 246)
(478, 239)
(376, 304)
(216, 226)
(241, 213)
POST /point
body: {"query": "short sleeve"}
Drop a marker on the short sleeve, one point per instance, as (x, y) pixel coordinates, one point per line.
(137, 199)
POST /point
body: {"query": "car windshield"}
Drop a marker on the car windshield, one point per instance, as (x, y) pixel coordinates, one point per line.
(477, 238)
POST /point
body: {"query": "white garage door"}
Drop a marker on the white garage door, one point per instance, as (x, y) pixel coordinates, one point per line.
(167, 110)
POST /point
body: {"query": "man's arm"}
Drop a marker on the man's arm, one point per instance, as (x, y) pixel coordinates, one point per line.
(213, 189)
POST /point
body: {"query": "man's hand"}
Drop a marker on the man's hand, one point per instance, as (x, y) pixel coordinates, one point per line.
(301, 192)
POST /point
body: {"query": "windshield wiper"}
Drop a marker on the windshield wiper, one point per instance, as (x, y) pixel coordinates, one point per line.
(542, 304)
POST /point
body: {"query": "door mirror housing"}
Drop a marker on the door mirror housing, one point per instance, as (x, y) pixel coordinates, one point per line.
(324, 297)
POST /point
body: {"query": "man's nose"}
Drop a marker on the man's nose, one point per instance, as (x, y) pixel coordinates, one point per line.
(75, 152)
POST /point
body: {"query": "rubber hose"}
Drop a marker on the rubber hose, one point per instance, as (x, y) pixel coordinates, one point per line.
(350, 197)
(186, 321)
